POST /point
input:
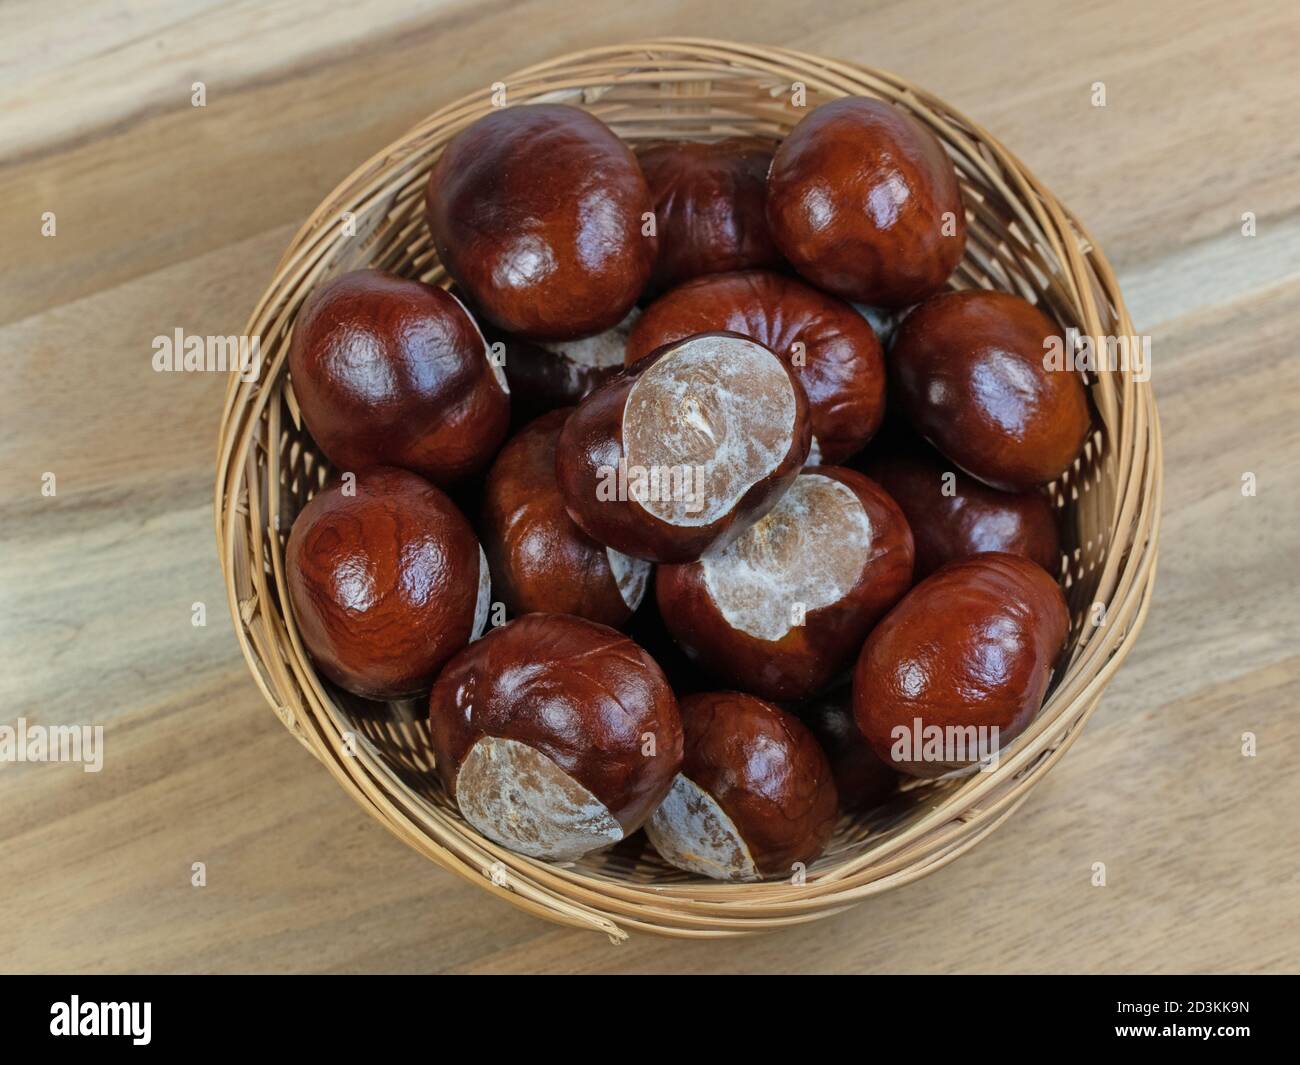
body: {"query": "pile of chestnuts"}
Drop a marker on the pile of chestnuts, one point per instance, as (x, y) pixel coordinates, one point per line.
(625, 504)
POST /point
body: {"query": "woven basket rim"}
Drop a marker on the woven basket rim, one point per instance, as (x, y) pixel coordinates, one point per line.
(1041, 232)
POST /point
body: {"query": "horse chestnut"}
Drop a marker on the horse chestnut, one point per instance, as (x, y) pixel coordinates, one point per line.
(555, 735)
(955, 516)
(537, 212)
(388, 371)
(685, 449)
(754, 796)
(540, 561)
(830, 347)
(960, 666)
(865, 203)
(386, 581)
(968, 369)
(785, 607)
(710, 203)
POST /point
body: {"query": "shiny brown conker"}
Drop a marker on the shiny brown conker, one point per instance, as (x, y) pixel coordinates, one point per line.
(785, 607)
(539, 213)
(388, 371)
(386, 581)
(684, 450)
(970, 370)
(954, 516)
(755, 796)
(829, 346)
(959, 668)
(555, 735)
(541, 562)
(710, 206)
(865, 203)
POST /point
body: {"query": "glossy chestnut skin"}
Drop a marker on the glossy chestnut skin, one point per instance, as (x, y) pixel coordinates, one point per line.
(857, 198)
(593, 442)
(973, 519)
(710, 207)
(537, 212)
(389, 371)
(840, 365)
(708, 605)
(763, 770)
(972, 645)
(540, 561)
(861, 779)
(580, 694)
(967, 370)
(386, 584)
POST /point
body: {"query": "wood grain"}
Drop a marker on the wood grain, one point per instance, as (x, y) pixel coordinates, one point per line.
(173, 216)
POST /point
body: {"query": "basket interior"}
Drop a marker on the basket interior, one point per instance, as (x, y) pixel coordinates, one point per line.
(384, 199)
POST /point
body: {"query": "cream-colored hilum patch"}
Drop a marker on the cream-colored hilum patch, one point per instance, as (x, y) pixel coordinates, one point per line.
(807, 552)
(631, 575)
(516, 795)
(691, 831)
(721, 408)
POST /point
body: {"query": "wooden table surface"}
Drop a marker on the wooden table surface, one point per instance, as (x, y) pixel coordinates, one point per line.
(169, 215)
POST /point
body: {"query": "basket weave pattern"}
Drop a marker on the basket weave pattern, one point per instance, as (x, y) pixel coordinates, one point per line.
(1021, 240)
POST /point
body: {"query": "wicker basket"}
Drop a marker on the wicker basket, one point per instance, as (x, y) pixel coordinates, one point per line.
(1021, 240)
